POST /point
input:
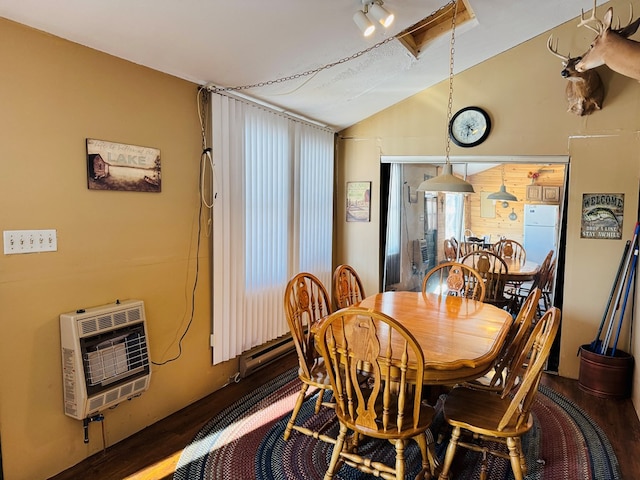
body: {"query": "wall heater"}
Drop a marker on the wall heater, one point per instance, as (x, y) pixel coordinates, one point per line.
(105, 357)
(262, 355)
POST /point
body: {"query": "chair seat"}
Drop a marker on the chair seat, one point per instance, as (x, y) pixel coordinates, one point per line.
(318, 374)
(481, 412)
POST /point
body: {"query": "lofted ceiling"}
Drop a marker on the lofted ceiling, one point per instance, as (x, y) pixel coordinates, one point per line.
(308, 57)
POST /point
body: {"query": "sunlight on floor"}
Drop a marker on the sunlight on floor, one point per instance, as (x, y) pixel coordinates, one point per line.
(165, 468)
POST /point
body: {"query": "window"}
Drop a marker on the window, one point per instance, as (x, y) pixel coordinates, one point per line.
(272, 218)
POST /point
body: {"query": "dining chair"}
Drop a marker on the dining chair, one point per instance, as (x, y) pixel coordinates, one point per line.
(493, 271)
(306, 302)
(347, 286)
(513, 344)
(510, 249)
(453, 278)
(450, 250)
(376, 368)
(467, 247)
(543, 280)
(504, 417)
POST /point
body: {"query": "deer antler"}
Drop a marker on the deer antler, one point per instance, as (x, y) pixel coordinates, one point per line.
(585, 22)
(553, 48)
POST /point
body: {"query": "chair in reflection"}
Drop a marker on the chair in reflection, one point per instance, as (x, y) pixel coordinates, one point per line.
(468, 247)
(347, 286)
(376, 369)
(543, 280)
(306, 302)
(453, 278)
(450, 249)
(510, 249)
(504, 417)
(492, 269)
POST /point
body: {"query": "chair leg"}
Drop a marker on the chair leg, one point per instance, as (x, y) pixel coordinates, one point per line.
(400, 443)
(451, 451)
(296, 409)
(428, 467)
(335, 455)
(514, 456)
(320, 400)
(523, 459)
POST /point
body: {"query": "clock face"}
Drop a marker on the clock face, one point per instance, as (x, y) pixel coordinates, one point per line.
(469, 127)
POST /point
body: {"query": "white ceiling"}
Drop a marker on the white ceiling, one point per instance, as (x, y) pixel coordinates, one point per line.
(235, 43)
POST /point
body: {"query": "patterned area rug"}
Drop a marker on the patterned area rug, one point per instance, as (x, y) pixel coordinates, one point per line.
(245, 442)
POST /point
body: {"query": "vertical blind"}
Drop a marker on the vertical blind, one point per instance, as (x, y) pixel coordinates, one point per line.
(273, 217)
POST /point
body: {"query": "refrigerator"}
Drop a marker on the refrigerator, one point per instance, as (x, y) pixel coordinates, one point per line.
(540, 230)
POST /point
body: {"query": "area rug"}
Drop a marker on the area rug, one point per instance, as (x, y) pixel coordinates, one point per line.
(245, 442)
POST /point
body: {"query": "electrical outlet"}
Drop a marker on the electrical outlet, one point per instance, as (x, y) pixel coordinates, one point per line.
(29, 241)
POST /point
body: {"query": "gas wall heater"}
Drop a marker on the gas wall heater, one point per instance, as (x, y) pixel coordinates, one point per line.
(105, 357)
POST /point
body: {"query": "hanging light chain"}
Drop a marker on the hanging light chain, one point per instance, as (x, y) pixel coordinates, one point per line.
(451, 53)
(327, 66)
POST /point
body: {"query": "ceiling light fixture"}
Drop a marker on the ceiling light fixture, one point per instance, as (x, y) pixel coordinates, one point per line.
(363, 23)
(502, 194)
(447, 181)
(375, 9)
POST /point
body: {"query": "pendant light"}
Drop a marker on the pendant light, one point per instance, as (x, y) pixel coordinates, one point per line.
(447, 181)
(502, 194)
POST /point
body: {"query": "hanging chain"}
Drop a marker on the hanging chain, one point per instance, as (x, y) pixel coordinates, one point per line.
(451, 52)
(329, 65)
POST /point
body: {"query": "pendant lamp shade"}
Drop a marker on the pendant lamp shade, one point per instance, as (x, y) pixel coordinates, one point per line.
(502, 194)
(446, 182)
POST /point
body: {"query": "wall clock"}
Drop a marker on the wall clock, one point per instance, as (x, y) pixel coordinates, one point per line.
(469, 127)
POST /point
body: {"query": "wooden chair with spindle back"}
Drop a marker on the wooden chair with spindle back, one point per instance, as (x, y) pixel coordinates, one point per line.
(347, 286)
(493, 270)
(376, 368)
(306, 303)
(510, 249)
(453, 278)
(501, 417)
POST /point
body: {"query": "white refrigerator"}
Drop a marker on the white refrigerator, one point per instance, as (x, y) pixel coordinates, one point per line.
(540, 230)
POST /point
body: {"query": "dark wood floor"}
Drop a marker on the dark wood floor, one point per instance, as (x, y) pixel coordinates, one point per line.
(153, 453)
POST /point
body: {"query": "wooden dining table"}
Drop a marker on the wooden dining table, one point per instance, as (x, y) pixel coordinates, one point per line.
(520, 272)
(460, 337)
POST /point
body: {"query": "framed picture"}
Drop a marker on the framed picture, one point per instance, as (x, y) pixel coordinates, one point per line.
(119, 166)
(358, 201)
(551, 194)
(602, 215)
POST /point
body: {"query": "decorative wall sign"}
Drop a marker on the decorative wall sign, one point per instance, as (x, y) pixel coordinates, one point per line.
(602, 215)
(358, 201)
(118, 166)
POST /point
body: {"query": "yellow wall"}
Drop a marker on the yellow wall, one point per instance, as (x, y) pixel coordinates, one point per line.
(111, 245)
(524, 94)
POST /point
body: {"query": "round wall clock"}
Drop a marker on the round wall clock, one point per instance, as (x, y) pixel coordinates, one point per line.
(469, 127)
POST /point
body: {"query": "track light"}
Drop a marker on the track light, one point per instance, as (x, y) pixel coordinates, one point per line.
(375, 9)
(381, 14)
(364, 23)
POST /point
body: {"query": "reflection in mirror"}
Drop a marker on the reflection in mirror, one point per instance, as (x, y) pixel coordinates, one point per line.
(420, 233)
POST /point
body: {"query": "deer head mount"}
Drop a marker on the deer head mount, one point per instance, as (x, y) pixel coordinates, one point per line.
(611, 47)
(584, 91)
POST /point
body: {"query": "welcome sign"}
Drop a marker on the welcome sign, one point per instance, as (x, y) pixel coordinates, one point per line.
(602, 215)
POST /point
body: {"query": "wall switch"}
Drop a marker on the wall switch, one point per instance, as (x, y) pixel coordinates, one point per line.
(29, 241)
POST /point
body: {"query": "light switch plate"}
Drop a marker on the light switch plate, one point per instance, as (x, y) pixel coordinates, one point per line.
(30, 241)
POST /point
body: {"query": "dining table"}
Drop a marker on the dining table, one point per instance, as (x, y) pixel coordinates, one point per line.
(520, 272)
(460, 337)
